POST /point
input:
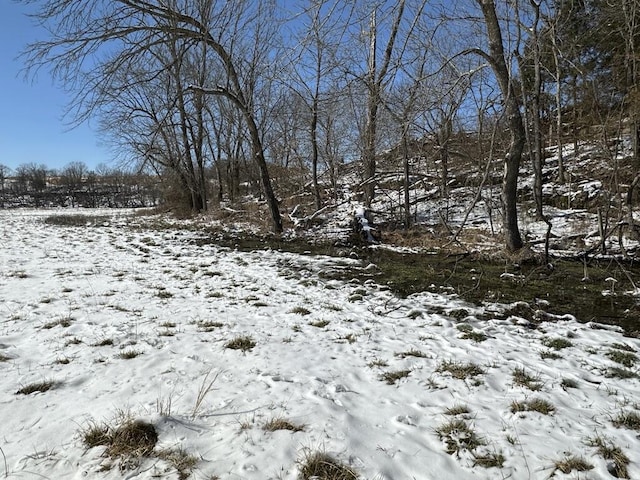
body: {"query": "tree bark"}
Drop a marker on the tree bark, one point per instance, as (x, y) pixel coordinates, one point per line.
(497, 59)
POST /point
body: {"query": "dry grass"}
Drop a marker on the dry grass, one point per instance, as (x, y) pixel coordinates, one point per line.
(457, 410)
(622, 373)
(556, 343)
(489, 460)
(571, 462)
(522, 378)
(630, 420)
(549, 354)
(321, 466)
(609, 451)
(36, 387)
(319, 323)
(205, 387)
(392, 377)
(129, 354)
(411, 353)
(280, 423)
(62, 322)
(624, 358)
(179, 459)
(244, 343)
(378, 362)
(568, 383)
(132, 438)
(458, 436)
(300, 311)
(208, 325)
(127, 439)
(534, 405)
(460, 370)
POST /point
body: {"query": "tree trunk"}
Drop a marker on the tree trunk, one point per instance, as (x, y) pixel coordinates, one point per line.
(538, 157)
(265, 179)
(513, 240)
(314, 153)
(406, 191)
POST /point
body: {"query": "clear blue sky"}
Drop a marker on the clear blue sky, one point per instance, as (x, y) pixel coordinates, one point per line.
(31, 124)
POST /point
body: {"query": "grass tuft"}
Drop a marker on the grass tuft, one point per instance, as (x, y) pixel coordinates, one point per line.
(556, 343)
(609, 451)
(282, 424)
(129, 440)
(319, 323)
(179, 459)
(623, 346)
(129, 354)
(458, 436)
(300, 311)
(523, 379)
(626, 359)
(460, 370)
(622, 373)
(568, 383)
(411, 353)
(457, 410)
(549, 354)
(489, 460)
(571, 462)
(244, 343)
(630, 420)
(378, 362)
(132, 438)
(95, 435)
(36, 387)
(208, 325)
(535, 405)
(392, 377)
(321, 466)
(62, 322)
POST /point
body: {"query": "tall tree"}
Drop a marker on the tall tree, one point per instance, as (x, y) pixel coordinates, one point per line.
(375, 80)
(497, 59)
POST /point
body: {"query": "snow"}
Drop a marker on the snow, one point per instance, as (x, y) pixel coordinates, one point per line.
(152, 291)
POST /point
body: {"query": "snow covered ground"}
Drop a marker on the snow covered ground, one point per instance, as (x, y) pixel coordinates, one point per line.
(118, 319)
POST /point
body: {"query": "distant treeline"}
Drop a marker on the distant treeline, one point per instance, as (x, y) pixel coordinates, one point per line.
(76, 186)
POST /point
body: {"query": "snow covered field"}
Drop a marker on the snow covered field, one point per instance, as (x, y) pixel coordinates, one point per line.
(122, 321)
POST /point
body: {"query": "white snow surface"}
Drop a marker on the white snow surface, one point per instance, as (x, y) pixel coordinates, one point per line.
(152, 291)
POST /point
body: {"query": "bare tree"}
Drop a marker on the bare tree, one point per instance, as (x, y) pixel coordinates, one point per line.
(375, 80)
(507, 82)
(131, 28)
(72, 177)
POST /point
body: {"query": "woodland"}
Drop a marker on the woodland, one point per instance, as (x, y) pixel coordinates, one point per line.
(288, 110)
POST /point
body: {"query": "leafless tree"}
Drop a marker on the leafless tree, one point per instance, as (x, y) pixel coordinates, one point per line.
(130, 28)
(496, 56)
(375, 79)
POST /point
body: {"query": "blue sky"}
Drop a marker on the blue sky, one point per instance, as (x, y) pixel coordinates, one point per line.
(31, 124)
